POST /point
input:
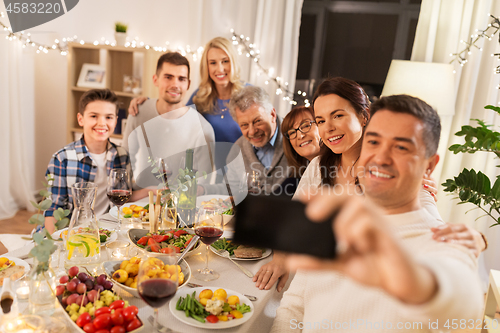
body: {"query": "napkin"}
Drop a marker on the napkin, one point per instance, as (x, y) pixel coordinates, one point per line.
(17, 247)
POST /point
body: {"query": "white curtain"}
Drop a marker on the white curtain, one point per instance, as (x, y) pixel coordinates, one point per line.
(441, 26)
(16, 136)
(277, 27)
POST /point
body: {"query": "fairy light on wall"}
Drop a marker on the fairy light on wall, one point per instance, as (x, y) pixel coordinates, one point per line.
(472, 44)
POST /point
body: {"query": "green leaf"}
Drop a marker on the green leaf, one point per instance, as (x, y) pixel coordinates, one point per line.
(67, 212)
(204, 174)
(62, 223)
(45, 204)
(495, 190)
(58, 214)
(494, 108)
(155, 170)
(38, 236)
(37, 206)
(45, 193)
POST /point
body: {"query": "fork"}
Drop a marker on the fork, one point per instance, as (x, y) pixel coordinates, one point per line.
(225, 254)
(159, 327)
(194, 285)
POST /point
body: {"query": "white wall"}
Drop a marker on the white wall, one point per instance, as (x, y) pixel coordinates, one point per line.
(186, 22)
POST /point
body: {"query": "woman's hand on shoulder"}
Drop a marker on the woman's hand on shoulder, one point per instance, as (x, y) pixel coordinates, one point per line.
(430, 185)
(460, 234)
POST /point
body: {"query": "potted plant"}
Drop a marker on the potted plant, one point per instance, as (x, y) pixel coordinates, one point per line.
(120, 33)
(475, 187)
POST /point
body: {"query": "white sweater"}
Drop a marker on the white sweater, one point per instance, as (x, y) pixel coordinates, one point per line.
(324, 301)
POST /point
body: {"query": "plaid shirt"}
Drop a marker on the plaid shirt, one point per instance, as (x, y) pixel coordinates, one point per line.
(73, 164)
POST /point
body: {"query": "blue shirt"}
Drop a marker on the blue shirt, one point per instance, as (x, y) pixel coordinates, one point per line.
(225, 128)
(265, 154)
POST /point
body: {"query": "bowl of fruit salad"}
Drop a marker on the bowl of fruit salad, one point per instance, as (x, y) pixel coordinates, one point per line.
(124, 273)
(91, 305)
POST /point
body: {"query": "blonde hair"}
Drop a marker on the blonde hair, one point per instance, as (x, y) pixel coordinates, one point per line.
(207, 92)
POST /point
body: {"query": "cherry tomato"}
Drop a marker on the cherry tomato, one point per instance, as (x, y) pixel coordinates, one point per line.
(101, 311)
(160, 238)
(117, 305)
(153, 245)
(89, 328)
(177, 249)
(129, 314)
(119, 311)
(133, 325)
(83, 319)
(102, 331)
(180, 232)
(143, 240)
(118, 329)
(102, 321)
(212, 319)
(134, 308)
(167, 250)
(117, 317)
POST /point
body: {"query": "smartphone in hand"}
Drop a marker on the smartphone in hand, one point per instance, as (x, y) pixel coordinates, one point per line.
(279, 223)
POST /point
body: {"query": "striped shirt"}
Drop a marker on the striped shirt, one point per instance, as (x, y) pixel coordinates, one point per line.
(73, 164)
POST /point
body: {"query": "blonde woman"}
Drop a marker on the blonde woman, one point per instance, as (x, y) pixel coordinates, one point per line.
(220, 78)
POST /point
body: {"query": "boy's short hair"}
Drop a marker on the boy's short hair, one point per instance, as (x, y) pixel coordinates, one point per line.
(93, 95)
(174, 58)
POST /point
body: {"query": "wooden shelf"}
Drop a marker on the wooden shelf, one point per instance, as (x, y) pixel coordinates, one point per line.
(118, 61)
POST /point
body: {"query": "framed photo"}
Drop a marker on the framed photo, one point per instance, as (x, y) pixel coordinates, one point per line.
(92, 76)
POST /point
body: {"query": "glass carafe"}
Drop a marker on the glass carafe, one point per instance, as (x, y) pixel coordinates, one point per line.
(82, 241)
(169, 212)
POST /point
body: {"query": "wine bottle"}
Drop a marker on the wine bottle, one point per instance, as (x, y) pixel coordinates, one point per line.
(187, 194)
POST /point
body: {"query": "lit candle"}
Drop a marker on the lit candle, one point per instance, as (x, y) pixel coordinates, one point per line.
(23, 292)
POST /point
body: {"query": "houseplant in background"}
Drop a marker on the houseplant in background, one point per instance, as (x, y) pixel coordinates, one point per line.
(120, 33)
(475, 187)
(42, 295)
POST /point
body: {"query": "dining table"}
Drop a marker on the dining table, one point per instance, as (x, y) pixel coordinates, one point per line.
(231, 277)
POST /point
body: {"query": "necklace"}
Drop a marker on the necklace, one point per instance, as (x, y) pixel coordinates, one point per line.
(222, 111)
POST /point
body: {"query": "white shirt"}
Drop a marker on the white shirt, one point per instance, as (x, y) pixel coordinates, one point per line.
(101, 204)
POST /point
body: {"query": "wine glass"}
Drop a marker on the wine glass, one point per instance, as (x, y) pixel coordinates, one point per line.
(254, 182)
(157, 280)
(209, 227)
(119, 190)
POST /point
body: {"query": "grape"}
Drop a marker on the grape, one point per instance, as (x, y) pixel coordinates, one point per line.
(60, 290)
(108, 285)
(93, 295)
(64, 301)
(64, 279)
(72, 299)
(99, 288)
(91, 278)
(71, 286)
(79, 300)
(101, 279)
(81, 288)
(73, 271)
(76, 280)
(83, 276)
(89, 284)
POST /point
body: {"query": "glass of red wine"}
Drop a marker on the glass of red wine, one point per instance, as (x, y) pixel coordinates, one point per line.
(119, 190)
(157, 280)
(209, 227)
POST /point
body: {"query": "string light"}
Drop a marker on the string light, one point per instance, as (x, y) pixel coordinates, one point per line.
(470, 45)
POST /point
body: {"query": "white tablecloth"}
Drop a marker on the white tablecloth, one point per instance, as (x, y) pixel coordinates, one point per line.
(231, 277)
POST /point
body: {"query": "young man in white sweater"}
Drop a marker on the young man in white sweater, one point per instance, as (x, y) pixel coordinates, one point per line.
(390, 275)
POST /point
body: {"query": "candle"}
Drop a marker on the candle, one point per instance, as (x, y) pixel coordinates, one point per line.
(23, 292)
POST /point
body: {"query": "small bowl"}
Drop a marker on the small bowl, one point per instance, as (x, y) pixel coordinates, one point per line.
(135, 234)
(111, 266)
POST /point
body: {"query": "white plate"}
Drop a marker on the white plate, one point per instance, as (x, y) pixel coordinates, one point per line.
(114, 210)
(111, 238)
(264, 255)
(221, 324)
(19, 262)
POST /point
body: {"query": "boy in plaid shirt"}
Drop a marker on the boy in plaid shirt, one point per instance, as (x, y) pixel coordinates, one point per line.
(91, 158)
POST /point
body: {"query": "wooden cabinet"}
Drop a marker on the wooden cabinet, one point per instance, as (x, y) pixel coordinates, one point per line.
(118, 61)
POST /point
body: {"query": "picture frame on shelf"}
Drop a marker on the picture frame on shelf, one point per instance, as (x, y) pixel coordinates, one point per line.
(92, 76)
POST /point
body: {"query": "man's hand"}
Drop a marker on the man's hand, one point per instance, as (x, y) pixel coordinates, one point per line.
(133, 108)
(369, 253)
(269, 273)
(460, 234)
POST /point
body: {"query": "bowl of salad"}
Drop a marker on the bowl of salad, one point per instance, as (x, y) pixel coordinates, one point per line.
(164, 241)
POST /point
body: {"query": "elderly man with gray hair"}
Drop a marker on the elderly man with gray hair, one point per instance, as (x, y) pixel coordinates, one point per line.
(261, 146)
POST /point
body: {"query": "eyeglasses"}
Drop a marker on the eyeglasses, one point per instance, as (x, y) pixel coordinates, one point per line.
(304, 128)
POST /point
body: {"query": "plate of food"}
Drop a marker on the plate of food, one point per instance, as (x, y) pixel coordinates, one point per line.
(105, 235)
(222, 201)
(211, 307)
(165, 241)
(12, 268)
(123, 273)
(138, 209)
(238, 251)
